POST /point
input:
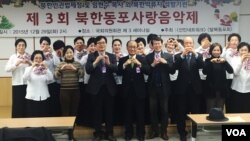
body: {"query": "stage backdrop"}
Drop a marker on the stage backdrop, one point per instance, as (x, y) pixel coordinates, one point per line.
(74, 18)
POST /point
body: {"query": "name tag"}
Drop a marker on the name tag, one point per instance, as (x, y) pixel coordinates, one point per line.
(104, 69)
(138, 70)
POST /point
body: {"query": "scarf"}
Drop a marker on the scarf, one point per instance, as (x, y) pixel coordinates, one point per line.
(40, 70)
(246, 64)
(234, 52)
(48, 55)
(25, 56)
(205, 53)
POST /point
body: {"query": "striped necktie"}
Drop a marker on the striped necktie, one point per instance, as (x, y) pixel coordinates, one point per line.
(132, 63)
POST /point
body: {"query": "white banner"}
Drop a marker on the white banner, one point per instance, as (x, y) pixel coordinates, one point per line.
(86, 18)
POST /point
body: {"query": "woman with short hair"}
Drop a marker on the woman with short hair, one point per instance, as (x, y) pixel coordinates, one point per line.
(16, 65)
(37, 93)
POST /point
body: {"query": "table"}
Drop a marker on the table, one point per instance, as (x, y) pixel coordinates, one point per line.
(59, 123)
(200, 119)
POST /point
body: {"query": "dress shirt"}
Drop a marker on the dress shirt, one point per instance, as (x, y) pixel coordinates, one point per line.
(205, 54)
(156, 71)
(17, 71)
(78, 55)
(229, 55)
(51, 66)
(83, 63)
(37, 85)
(241, 79)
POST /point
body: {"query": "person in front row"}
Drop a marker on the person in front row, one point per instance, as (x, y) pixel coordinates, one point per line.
(132, 69)
(101, 65)
(215, 69)
(188, 84)
(161, 65)
(37, 93)
(69, 71)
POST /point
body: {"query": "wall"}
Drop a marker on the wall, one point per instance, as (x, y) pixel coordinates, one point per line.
(5, 92)
(7, 48)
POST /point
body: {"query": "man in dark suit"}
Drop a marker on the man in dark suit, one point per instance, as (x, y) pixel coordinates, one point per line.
(132, 68)
(101, 65)
(188, 84)
(159, 87)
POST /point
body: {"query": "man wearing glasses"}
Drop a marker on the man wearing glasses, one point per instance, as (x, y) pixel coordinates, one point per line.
(101, 65)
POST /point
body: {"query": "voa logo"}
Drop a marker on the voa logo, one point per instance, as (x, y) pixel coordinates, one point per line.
(236, 132)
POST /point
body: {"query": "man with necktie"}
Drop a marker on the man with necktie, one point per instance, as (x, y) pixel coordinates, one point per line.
(102, 87)
(161, 65)
(188, 84)
(132, 69)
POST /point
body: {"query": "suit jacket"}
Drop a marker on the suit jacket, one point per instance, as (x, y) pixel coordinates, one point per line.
(133, 77)
(187, 74)
(216, 77)
(97, 78)
(165, 70)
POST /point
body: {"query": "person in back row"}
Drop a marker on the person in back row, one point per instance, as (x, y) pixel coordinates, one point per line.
(68, 72)
(240, 95)
(16, 65)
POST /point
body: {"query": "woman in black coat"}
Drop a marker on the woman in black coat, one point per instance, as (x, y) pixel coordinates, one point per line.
(216, 85)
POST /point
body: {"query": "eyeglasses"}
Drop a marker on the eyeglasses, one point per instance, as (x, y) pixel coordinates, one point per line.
(101, 43)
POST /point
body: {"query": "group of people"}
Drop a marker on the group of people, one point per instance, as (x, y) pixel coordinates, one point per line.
(173, 78)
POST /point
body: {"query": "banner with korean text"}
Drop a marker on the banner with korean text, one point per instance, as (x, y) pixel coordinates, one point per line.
(90, 18)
